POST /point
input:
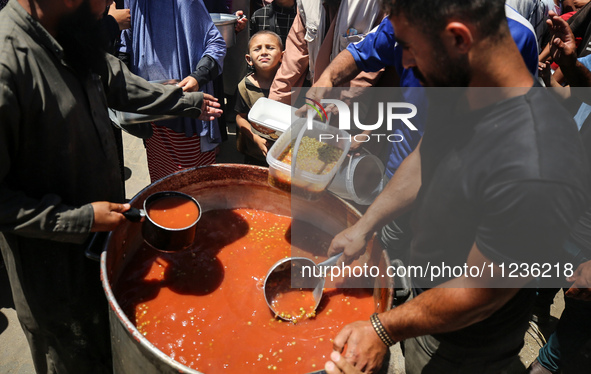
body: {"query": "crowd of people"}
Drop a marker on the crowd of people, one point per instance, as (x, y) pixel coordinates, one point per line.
(496, 176)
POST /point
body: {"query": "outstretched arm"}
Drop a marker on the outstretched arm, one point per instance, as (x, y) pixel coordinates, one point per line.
(130, 93)
(294, 67)
(396, 199)
(474, 299)
(342, 69)
(563, 51)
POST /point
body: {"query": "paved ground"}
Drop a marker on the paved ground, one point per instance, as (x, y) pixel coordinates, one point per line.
(14, 351)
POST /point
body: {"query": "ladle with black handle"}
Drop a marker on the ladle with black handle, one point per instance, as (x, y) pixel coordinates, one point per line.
(135, 214)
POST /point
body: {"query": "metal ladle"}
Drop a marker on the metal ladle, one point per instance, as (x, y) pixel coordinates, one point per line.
(295, 265)
(163, 238)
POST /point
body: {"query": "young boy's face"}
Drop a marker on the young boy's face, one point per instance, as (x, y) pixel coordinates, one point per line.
(264, 52)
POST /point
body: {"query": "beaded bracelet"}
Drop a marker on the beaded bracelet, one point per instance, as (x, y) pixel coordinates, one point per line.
(380, 330)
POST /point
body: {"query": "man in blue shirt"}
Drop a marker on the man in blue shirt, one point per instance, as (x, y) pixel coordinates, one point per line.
(379, 50)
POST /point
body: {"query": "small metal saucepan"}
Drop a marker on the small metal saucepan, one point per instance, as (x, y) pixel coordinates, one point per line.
(159, 237)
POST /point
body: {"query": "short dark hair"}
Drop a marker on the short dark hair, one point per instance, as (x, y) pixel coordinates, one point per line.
(268, 32)
(433, 15)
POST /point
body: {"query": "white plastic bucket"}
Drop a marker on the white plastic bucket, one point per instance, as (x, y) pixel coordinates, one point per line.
(360, 179)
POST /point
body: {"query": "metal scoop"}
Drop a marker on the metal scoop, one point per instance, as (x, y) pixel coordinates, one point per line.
(291, 270)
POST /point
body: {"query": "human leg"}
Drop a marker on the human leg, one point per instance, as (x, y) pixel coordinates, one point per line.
(60, 304)
(542, 304)
(395, 237)
(572, 332)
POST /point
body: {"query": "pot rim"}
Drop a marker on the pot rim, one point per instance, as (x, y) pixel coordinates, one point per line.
(224, 19)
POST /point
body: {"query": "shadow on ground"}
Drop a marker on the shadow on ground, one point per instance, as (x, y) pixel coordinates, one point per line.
(5, 292)
(126, 173)
(5, 296)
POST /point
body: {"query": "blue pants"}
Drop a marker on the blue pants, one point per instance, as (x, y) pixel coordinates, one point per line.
(572, 332)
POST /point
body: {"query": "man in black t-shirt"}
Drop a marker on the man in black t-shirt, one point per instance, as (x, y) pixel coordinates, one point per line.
(499, 177)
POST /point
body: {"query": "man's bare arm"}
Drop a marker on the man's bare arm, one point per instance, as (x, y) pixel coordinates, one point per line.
(474, 299)
(342, 69)
(563, 50)
(544, 56)
(396, 199)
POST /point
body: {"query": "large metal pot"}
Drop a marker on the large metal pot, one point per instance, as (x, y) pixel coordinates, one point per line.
(216, 187)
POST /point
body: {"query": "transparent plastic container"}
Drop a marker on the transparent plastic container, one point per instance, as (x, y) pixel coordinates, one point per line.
(302, 177)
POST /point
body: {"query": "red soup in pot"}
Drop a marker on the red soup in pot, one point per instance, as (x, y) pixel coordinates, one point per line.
(205, 306)
(173, 212)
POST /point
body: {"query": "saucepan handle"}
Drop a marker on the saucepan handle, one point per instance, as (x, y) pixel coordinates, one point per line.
(134, 214)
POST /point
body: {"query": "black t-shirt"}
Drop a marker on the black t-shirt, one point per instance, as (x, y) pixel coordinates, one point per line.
(511, 178)
(581, 234)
